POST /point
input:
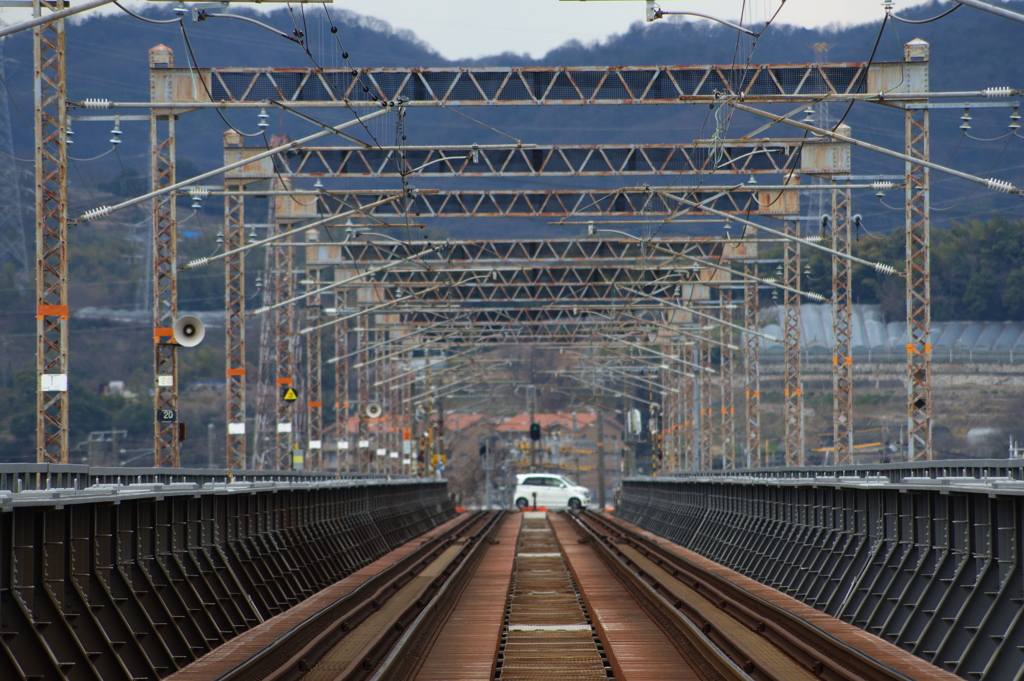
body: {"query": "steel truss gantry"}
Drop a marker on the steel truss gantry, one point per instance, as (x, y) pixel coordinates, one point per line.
(742, 200)
(519, 86)
(755, 157)
(444, 87)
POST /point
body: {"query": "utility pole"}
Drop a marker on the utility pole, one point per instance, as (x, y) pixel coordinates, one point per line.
(209, 445)
(531, 405)
(314, 391)
(918, 226)
(728, 406)
(166, 444)
(600, 459)
(705, 428)
(842, 326)
(51, 235)
(751, 364)
(488, 467)
(793, 380)
(284, 330)
(689, 400)
(234, 320)
(341, 396)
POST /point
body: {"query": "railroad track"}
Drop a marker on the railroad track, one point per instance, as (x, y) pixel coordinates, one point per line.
(585, 597)
(727, 631)
(350, 638)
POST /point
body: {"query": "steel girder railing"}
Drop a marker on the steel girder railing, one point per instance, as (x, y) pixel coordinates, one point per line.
(135, 582)
(928, 562)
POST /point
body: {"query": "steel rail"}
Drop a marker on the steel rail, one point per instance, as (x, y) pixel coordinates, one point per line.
(690, 637)
(384, 642)
(408, 652)
(816, 650)
(333, 622)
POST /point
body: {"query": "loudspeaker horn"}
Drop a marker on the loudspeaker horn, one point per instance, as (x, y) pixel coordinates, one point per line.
(373, 411)
(189, 331)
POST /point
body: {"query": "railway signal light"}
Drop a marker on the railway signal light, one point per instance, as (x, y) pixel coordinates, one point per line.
(534, 431)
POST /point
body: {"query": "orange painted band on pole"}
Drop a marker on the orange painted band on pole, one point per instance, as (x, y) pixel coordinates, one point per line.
(160, 333)
(235, 372)
(284, 381)
(52, 311)
(316, 404)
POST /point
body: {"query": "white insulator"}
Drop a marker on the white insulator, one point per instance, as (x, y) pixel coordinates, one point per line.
(882, 186)
(199, 192)
(814, 238)
(885, 269)
(769, 280)
(771, 338)
(96, 104)
(997, 92)
(1000, 186)
(94, 213)
(260, 310)
(815, 296)
(193, 264)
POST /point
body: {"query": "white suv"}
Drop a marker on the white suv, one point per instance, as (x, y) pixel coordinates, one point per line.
(553, 491)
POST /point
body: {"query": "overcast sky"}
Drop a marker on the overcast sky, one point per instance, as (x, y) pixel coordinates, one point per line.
(475, 28)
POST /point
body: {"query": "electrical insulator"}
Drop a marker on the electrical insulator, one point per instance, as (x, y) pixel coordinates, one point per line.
(992, 92)
(116, 132)
(1015, 119)
(965, 120)
(264, 119)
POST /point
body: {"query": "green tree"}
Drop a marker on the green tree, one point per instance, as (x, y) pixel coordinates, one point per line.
(1013, 294)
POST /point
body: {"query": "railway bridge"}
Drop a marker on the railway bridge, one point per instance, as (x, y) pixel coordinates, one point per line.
(899, 571)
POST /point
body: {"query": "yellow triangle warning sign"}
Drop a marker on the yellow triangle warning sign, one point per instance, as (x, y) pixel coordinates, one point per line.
(290, 395)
